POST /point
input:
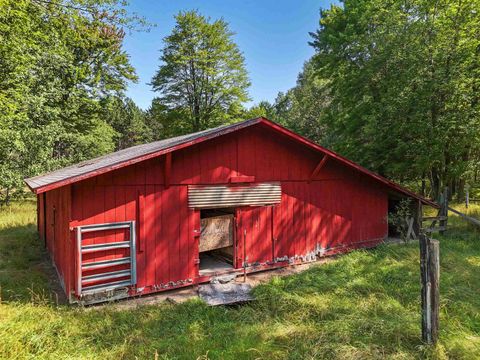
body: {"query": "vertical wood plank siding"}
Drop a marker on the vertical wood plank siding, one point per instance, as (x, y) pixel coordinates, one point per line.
(339, 208)
(57, 216)
(41, 216)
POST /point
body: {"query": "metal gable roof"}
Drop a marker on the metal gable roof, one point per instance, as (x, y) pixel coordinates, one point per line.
(125, 157)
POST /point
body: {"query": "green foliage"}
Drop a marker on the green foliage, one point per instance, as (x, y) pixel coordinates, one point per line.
(165, 122)
(128, 120)
(302, 108)
(58, 60)
(403, 78)
(262, 109)
(202, 79)
(398, 218)
(363, 305)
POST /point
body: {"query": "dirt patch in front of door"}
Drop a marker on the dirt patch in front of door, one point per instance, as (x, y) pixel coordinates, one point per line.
(184, 294)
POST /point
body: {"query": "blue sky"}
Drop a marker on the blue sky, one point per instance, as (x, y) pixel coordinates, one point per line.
(273, 36)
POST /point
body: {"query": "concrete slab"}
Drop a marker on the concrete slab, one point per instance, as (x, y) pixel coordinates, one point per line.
(225, 294)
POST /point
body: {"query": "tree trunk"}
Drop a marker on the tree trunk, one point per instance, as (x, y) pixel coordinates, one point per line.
(461, 189)
(424, 185)
(196, 116)
(436, 183)
(7, 197)
(195, 99)
(452, 189)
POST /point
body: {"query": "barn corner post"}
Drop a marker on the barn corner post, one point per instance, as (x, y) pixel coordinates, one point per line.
(430, 294)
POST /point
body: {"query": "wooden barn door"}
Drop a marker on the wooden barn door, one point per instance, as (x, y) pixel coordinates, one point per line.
(254, 240)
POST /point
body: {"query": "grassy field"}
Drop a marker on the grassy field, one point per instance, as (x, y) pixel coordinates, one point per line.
(364, 305)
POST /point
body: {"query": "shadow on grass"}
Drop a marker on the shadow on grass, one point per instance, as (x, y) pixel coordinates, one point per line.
(362, 305)
(26, 273)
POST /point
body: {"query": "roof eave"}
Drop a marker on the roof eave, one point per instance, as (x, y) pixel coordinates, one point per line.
(87, 175)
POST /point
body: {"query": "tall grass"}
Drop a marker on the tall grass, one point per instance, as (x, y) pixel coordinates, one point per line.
(364, 305)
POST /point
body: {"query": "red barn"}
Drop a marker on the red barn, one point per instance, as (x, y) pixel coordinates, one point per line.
(244, 197)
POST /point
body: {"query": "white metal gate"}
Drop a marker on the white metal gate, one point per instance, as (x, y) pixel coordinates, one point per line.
(108, 278)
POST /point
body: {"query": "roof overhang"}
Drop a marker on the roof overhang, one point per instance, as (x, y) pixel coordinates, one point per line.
(204, 136)
(31, 182)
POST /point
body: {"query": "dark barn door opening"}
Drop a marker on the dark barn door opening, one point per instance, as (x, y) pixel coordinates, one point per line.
(236, 224)
(216, 245)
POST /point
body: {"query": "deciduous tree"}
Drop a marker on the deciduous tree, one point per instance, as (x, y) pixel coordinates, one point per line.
(202, 75)
(58, 60)
(403, 79)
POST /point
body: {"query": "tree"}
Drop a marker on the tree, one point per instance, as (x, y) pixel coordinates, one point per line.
(403, 79)
(58, 60)
(165, 122)
(128, 120)
(302, 108)
(262, 109)
(202, 75)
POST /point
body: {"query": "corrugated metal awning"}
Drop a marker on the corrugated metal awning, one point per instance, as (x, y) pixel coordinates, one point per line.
(204, 197)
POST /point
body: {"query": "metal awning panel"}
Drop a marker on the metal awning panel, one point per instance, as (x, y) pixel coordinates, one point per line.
(217, 196)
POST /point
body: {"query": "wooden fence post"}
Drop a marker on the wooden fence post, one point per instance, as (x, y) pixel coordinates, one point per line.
(423, 241)
(434, 272)
(417, 223)
(430, 278)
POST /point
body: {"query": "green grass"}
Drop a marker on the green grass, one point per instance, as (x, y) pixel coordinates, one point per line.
(364, 305)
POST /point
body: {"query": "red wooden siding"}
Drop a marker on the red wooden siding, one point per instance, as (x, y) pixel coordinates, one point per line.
(337, 209)
(166, 249)
(326, 215)
(57, 217)
(369, 210)
(41, 216)
(254, 234)
(249, 152)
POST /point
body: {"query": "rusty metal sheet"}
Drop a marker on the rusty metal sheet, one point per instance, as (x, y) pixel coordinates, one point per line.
(225, 294)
